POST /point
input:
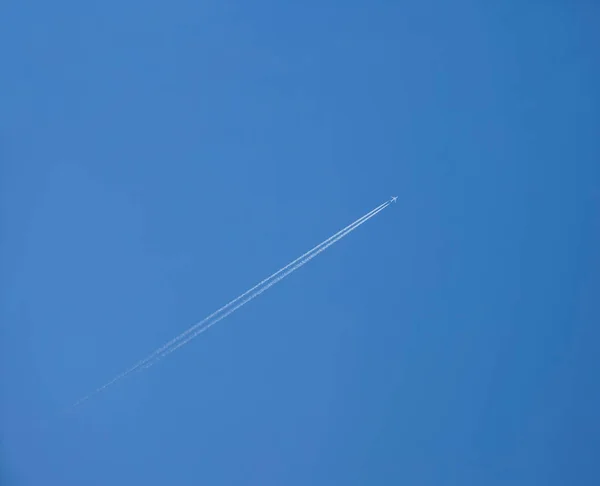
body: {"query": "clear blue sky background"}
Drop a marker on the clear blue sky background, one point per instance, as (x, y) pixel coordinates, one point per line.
(159, 158)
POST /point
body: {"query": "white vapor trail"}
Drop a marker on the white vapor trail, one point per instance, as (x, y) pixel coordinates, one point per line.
(208, 322)
(245, 297)
(262, 282)
(261, 290)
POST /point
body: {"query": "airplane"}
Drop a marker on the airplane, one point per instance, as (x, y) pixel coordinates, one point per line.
(394, 198)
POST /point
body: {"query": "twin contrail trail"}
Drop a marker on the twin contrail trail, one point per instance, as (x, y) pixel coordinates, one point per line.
(301, 261)
(238, 302)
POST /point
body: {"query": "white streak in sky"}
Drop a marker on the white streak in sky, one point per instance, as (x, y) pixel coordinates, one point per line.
(241, 300)
(260, 291)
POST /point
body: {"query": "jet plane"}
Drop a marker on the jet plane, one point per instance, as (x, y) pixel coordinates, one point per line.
(394, 198)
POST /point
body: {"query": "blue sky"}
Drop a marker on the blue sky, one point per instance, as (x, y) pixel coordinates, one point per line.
(157, 159)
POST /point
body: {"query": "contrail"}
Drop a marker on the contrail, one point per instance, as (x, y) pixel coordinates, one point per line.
(244, 298)
(249, 291)
(143, 362)
(260, 291)
(207, 322)
(262, 282)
